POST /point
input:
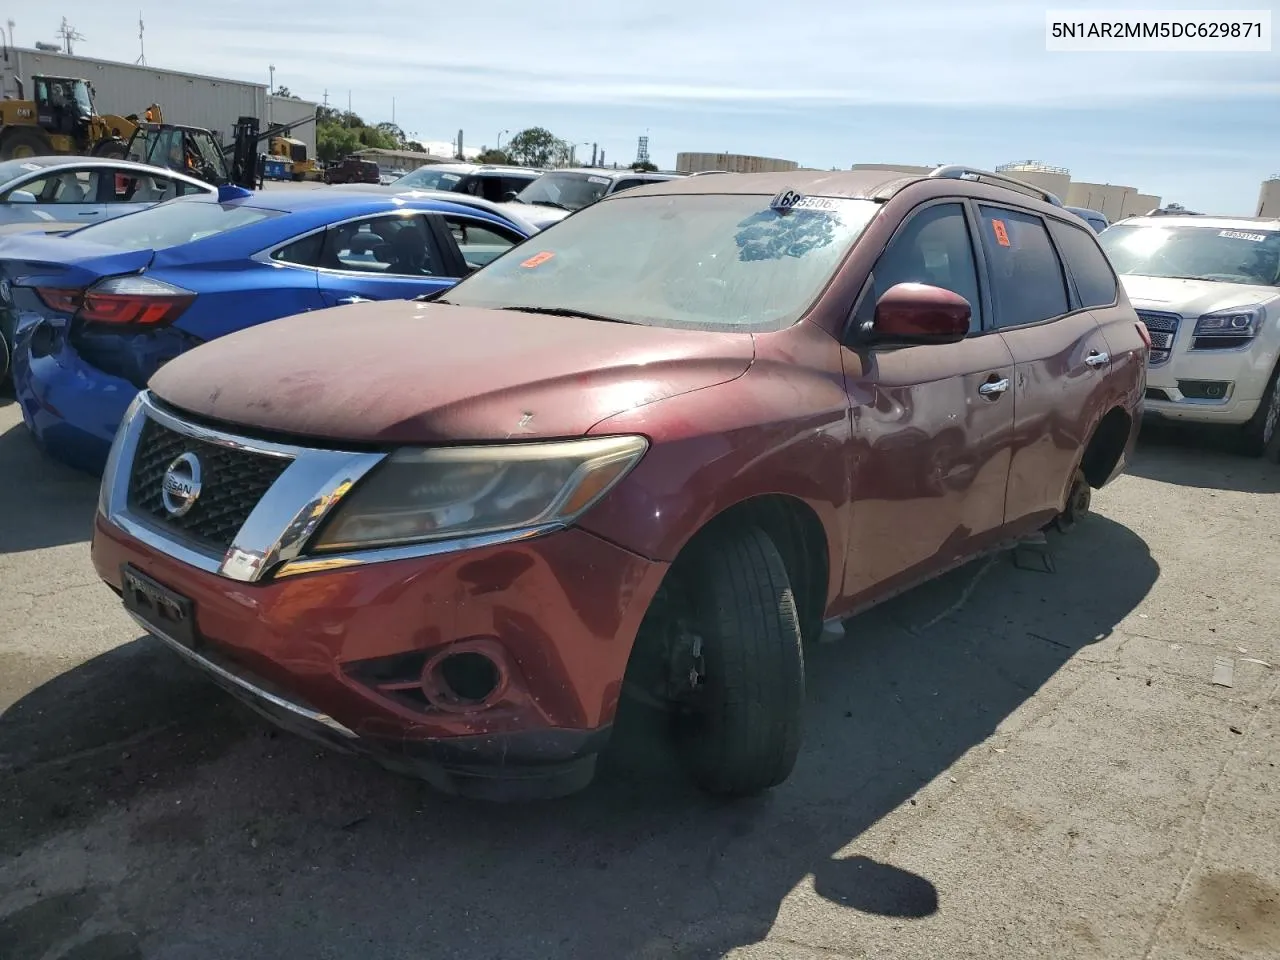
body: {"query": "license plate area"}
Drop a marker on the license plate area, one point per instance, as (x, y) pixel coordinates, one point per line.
(156, 605)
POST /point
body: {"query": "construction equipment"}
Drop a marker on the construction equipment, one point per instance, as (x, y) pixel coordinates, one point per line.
(186, 149)
(60, 118)
(297, 165)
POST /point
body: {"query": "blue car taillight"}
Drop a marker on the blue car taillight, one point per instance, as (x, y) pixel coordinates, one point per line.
(131, 301)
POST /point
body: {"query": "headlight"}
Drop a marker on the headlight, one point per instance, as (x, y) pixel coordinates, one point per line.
(1238, 323)
(417, 495)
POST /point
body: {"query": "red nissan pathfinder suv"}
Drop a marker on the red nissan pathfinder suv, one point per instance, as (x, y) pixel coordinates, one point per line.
(646, 453)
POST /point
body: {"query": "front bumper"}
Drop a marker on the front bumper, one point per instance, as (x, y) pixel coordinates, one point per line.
(1209, 386)
(563, 610)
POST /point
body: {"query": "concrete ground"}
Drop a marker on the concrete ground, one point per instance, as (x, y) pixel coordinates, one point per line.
(1007, 763)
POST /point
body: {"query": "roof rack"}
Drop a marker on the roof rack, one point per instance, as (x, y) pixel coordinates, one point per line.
(957, 171)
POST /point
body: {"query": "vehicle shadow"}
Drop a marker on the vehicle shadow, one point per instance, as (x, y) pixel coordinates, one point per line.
(45, 504)
(1195, 456)
(332, 854)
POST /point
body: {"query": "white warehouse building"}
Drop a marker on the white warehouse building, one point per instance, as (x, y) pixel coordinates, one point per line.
(214, 103)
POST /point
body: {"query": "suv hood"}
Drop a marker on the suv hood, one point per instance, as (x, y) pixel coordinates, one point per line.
(411, 372)
(1193, 298)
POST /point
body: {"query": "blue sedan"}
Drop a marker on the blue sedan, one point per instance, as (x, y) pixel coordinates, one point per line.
(96, 312)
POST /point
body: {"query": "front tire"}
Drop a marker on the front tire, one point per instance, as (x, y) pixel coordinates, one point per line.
(743, 731)
(1262, 433)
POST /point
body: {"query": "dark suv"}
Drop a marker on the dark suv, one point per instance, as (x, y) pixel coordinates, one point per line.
(353, 170)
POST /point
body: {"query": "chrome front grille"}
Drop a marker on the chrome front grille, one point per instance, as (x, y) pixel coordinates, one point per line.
(246, 507)
(233, 481)
(1163, 329)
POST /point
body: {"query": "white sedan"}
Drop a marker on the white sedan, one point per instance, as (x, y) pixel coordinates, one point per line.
(44, 192)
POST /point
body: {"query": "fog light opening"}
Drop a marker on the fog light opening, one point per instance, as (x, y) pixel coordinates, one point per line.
(464, 678)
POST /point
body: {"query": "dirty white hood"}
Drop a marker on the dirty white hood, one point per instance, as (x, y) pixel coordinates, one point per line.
(1194, 298)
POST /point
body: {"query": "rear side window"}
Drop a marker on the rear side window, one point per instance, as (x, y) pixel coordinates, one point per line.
(480, 242)
(303, 253)
(173, 224)
(402, 246)
(933, 247)
(1027, 283)
(1095, 281)
(628, 184)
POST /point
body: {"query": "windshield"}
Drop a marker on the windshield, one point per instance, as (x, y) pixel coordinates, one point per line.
(571, 191)
(697, 261)
(80, 93)
(1239, 255)
(211, 162)
(426, 178)
(172, 224)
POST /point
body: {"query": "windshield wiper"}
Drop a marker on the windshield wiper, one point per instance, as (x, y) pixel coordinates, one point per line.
(548, 203)
(567, 312)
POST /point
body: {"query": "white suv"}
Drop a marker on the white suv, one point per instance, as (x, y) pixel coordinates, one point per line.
(1208, 289)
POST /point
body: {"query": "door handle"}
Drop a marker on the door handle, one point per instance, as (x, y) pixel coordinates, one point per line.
(994, 388)
(1096, 359)
(346, 300)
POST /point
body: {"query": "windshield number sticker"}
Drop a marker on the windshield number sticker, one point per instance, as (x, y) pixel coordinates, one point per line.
(603, 180)
(794, 200)
(1001, 232)
(537, 260)
(1238, 235)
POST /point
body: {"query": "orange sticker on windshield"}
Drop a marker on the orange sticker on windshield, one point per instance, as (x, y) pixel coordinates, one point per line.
(538, 259)
(1002, 235)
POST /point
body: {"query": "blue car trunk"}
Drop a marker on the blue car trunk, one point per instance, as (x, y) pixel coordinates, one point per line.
(46, 280)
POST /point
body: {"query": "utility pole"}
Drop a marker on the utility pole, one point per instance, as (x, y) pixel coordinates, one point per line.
(68, 33)
(142, 46)
(326, 99)
(393, 111)
(271, 69)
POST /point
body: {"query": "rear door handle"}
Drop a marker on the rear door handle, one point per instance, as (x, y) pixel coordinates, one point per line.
(1096, 359)
(346, 300)
(994, 388)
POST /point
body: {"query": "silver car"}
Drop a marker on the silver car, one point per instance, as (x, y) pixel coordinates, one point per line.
(44, 192)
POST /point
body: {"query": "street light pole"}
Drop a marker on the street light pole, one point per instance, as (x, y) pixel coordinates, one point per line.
(501, 134)
(272, 88)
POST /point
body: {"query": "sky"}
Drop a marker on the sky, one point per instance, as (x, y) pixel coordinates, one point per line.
(826, 84)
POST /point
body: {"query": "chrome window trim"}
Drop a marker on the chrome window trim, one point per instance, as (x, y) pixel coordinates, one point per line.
(265, 256)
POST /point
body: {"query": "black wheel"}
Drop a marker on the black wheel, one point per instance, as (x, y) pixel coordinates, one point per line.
(1261, 435)
(22, 142)
(732, 665)
(1077, 507)
(6, 353)
(113, 149)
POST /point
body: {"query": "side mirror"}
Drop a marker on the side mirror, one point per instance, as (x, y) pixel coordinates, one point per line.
(509, 196)
(920, 313)
(22, 196)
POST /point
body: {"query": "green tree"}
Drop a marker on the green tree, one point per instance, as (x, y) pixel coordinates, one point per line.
(393, 133)
(537, 147)
(333, 142)
(285, 92)
(492, 156)
(643, 166)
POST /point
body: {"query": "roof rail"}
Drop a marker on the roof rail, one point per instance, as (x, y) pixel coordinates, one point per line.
(957, 171)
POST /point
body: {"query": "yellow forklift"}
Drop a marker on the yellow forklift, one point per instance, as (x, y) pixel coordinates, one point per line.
(59, 118)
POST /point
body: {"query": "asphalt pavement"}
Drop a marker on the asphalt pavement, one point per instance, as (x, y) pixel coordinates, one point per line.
(1021, 759)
